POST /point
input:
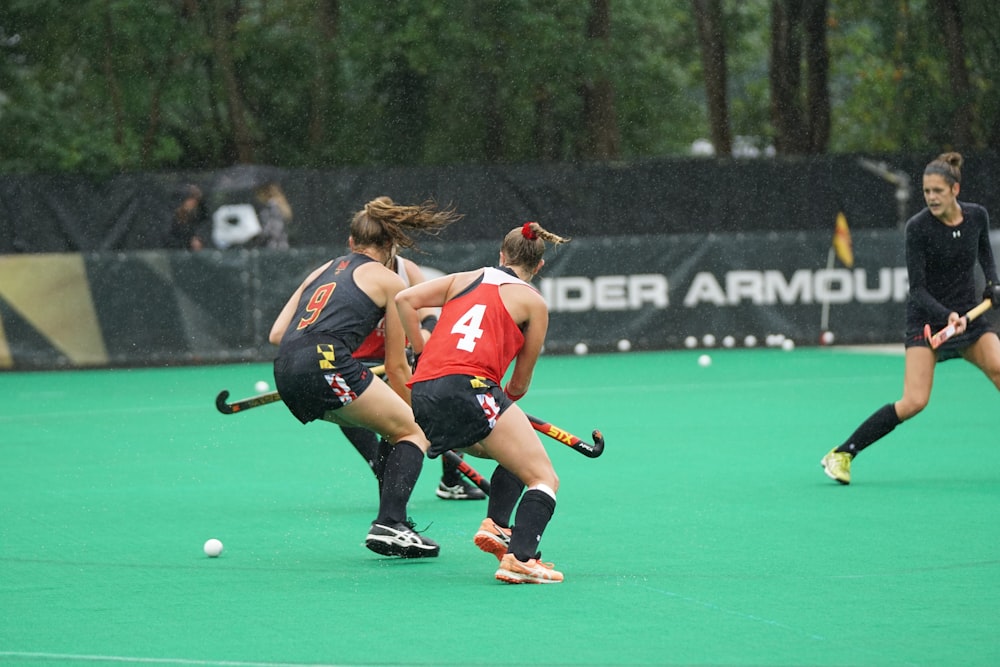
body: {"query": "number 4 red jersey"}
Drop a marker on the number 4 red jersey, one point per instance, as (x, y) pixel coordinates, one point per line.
(475, 335)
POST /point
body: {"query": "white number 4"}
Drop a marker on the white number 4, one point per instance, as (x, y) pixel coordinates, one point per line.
(469, 325)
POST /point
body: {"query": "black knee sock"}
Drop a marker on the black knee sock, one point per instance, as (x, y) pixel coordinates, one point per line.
(505, 489)
(449, 472)
(365, 442)
(381, 458)
(533, 515)
(872, 429)
(401, 473)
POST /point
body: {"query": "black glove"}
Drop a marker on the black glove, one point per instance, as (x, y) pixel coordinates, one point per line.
(992, 292)
(412, 359)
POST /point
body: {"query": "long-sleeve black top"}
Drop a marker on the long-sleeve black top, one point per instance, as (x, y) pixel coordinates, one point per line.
(941, 262)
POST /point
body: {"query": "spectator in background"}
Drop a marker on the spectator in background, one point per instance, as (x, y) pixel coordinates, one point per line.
(190, 228)
(275, 215)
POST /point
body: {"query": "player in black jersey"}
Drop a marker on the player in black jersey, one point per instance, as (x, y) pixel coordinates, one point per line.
(944, 243)
(371, 352)
(334, 309)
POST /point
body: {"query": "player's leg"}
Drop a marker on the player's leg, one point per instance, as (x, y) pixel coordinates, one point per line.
(514, 444)
(366, 443)
(380, 409)
(918, 379)
(453, 486)
(985, 354)
(494, 532)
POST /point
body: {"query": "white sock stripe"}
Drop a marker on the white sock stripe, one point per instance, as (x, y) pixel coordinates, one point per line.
(546, 489)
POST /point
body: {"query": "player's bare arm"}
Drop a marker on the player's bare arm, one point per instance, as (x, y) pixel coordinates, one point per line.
(284, 318)
(431, 294)
(534, 328)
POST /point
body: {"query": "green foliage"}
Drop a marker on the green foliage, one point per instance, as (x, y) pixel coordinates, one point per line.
(889, 78)
(101, 86)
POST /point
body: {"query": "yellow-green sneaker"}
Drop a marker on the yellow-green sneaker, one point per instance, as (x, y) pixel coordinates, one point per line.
(837, 465)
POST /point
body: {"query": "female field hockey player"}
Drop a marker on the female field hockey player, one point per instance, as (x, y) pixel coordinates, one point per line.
(317, 332)
(944, 242)
(371, 352)
(489, 318)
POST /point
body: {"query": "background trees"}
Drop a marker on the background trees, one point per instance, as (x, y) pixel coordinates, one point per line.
(117, 85)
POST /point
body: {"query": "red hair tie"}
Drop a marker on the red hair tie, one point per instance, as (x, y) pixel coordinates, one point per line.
(527, 232)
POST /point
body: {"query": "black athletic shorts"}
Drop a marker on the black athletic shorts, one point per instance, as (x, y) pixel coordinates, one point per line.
(953, 347)
(317, 377)
(457, 411)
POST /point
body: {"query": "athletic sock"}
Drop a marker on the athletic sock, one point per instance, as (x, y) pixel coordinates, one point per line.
(505, 489)
(381, 458)
(401, 472)
(877, 426)
(533, 515)
(449, 471)
(365, 442)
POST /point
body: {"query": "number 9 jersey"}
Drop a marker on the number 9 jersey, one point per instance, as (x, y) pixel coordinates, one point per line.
(475, 335)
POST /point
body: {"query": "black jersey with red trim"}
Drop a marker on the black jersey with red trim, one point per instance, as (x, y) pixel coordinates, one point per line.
(475, 335)
(333, 307)
(941, 262)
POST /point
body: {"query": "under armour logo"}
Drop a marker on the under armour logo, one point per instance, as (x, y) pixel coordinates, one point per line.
(957, 234)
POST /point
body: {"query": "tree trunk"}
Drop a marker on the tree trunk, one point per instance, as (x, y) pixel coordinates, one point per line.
(601, 140)
(114, 88)
(801, 121)
(328, 20)
(950, 12)
(711, 36)
(544, 134)
(817, 90)
(494, 122)
(223, 25)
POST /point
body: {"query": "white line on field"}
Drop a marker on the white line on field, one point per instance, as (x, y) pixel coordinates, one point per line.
(61, 657)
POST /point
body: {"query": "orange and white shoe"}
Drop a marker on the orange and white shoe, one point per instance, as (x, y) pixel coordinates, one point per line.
(492, 539)
(534, 571)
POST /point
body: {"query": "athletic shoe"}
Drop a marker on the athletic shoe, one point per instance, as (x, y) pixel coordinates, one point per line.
(400, 540)
(837, 465)
(492, 539)
(534, 571)
(461, 491)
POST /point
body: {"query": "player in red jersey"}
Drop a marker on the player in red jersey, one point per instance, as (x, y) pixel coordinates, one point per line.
(489, 318)
(371, 352)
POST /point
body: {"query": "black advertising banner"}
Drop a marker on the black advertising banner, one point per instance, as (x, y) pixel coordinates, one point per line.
(168, 308)
(656, 291)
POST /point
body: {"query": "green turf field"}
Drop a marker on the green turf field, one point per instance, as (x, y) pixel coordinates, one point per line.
(706, 534)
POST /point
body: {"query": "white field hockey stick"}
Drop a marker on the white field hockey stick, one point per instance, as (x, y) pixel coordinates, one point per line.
(944, 334)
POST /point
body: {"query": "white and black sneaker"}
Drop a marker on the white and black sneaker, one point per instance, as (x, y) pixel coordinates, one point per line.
(400, 540)
(461, 491)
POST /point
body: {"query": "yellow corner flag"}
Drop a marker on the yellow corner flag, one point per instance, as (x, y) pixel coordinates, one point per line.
(842, 241)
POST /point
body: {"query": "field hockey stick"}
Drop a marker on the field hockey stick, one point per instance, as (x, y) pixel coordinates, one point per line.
(589, 450)
(226, 408)
(468, 471)
(261, 399)
(244, 403)
(949, 331)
